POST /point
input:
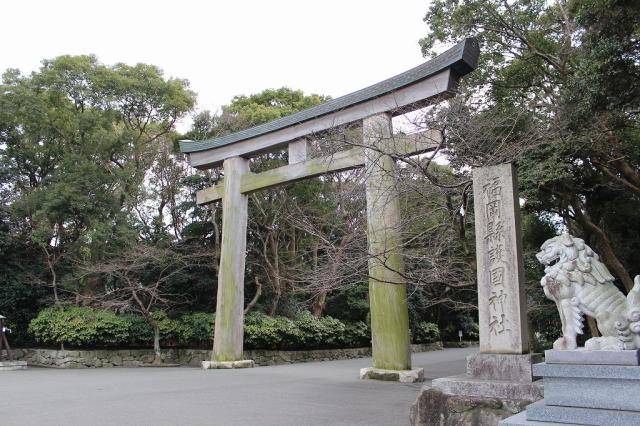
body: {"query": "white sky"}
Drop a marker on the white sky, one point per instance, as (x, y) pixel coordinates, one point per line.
(225, 48)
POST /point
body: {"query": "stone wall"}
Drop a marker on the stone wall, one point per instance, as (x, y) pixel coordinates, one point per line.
(190, 357)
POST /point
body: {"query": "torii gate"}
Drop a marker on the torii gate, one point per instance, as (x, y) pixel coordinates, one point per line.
(373, 108)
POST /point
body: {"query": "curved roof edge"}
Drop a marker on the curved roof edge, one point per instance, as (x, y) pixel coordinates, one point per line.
(462, 59)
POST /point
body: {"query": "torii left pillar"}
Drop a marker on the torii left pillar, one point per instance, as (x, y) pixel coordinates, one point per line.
(229, 325)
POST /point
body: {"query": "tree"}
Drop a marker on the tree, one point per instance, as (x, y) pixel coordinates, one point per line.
(77, 139)
(570, 68)
(141, 280)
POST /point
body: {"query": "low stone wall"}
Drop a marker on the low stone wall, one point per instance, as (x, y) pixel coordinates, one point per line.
(191, 357)
(463, 344)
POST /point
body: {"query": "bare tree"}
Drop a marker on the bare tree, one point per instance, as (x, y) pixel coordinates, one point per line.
(139, 280)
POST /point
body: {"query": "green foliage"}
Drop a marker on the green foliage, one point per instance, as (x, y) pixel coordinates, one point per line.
(426, 332)
(140, 332)
(464, 322)
(198, 327)
(349, 303)
(319, 332)
(356, 335)
(79, 326)
(265, 332)
(305, 331)
(19, 303)
(90, 327)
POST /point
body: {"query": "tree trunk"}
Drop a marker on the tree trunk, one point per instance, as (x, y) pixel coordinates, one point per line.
(253, 301)
(277, 293)
(157, 359)
(54, 277)
(275, 274)
(319, 303)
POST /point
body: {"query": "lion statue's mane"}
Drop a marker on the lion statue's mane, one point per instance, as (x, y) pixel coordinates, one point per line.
(580, 284)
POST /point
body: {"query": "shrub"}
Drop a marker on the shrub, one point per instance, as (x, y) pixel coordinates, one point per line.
(356, 335)
(84, 326)
(79, 326)
(426, 332)
(265, 332)
(140, 332)
(197, 327)
(171, 330)
(324, 332)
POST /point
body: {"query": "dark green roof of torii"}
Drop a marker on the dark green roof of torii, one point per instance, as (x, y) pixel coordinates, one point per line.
(462, 58)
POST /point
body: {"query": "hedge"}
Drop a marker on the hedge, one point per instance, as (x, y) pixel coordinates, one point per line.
(90, 327)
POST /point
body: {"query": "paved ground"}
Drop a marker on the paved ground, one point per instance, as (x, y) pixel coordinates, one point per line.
(322, 393)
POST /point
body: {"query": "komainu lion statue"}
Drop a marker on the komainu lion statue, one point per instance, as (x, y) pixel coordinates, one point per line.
(579, 283)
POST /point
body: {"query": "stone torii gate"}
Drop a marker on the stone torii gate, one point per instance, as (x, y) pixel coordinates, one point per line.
(373, 109)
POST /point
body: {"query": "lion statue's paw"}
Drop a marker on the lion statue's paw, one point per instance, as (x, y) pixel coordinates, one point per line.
(564, 344)
(609, 343)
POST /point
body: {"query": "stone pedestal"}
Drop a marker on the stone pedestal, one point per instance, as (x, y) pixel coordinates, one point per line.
(404, 376)
(589, 393)
(494, 387)
(212, 365)
(13, 365)
(495, 376)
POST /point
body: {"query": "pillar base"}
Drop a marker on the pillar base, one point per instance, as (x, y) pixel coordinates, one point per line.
(244, 363)
(404, 376)
(13, 365)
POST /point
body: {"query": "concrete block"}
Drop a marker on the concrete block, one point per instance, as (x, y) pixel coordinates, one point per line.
(13, 365)
(506, 367)
(587, 371)
(614, 394)
(540, 411)
(583, 356)
(611, 387)
(466, 385)
(245, 363)
(404, 376)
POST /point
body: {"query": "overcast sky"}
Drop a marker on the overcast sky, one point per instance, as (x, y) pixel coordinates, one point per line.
(225, 48)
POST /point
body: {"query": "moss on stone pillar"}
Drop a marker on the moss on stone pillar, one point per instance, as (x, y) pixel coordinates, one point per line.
(229, 325)
(387, 288)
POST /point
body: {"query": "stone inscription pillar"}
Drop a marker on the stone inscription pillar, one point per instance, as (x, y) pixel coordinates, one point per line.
(229, 331)
(501, 299)
(387, 288)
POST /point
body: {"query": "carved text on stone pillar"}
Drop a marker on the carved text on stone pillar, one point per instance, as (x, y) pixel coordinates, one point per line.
(500, 300)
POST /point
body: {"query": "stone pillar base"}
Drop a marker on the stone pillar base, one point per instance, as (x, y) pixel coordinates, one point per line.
(494, 387)
(436, 408)
(404, 376)
(466, 385)
(245, 363)
(13, 365)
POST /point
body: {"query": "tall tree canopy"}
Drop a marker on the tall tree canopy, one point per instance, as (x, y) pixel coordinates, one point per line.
(572, 69)
(77, 139)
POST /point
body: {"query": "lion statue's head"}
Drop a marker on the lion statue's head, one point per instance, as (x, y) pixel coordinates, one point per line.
(568, 260)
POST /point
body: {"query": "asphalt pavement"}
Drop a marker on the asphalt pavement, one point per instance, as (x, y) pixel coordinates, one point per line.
(309, 394)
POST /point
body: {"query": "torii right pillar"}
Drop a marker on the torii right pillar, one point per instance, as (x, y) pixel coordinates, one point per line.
(387, 287)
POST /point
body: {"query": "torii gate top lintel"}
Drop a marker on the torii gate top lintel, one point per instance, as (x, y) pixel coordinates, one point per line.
(434, 79)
